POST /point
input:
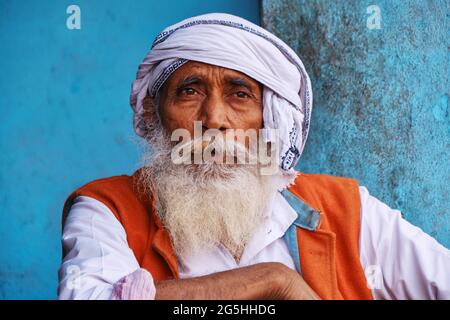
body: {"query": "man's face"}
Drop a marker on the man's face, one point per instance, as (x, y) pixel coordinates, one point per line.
(218, 97)
(222, 99)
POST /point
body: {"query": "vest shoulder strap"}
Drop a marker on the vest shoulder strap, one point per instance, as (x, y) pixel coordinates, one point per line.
(327, 235)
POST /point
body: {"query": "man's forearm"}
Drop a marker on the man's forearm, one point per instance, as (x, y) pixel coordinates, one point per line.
(259, 281)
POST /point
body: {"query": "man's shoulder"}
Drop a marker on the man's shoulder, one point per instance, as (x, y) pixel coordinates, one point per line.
(107, 182)
(123, 181)
(336, 197)
(320, 179)
(324, 188)
(109, 190)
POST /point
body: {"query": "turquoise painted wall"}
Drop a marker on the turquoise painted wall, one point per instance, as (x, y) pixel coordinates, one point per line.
(65, 117)
(381, 107)
(381, 97)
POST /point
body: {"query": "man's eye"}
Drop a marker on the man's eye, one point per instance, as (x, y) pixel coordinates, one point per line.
(187, 91)
(242, 94)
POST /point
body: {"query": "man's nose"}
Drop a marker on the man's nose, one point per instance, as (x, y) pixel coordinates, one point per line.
(214, 113)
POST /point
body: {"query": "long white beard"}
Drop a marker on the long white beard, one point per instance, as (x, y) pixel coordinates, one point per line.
(205, 205)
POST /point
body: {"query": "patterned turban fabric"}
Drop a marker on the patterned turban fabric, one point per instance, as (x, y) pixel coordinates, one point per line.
(232, 42)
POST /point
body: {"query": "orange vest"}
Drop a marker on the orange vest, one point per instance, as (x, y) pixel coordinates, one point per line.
(325, 237)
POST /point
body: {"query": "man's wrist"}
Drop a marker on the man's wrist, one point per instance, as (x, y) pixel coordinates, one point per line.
(275, 277)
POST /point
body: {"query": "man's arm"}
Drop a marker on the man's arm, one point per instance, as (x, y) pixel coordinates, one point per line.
(401, 261)
(98, 261)
(97, 254)
(257, 282)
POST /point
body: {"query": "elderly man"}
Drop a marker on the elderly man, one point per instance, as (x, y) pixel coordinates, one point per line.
(189, 225)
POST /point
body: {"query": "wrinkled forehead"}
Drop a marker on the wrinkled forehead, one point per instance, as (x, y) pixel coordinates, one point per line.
(194, 71)
(230, 42)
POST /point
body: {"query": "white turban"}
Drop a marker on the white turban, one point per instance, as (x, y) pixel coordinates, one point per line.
(232, 42)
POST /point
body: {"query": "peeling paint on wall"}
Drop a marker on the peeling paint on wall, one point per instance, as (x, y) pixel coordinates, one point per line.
(381, 98)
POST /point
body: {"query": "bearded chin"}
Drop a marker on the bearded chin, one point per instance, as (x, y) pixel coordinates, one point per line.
(203, 206)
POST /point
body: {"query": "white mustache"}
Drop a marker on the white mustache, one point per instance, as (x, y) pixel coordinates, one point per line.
(232, 149)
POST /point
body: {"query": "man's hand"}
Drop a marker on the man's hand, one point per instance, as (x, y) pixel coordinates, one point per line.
(271, 280)
(292, 286)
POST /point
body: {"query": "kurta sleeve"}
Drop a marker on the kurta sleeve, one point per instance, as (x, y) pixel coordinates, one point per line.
(400, 260)
(98, 260)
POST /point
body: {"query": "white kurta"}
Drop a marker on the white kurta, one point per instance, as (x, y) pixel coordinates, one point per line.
(400, 260)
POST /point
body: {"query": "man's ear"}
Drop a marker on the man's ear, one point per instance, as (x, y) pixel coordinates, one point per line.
(150, 109)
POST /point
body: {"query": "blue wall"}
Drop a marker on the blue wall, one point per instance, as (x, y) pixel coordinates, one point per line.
(65, 117)
(381, 108)
(381, 98)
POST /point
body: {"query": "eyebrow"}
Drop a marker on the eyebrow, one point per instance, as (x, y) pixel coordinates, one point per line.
(188, 81)
(195, 79)
(241, 82)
